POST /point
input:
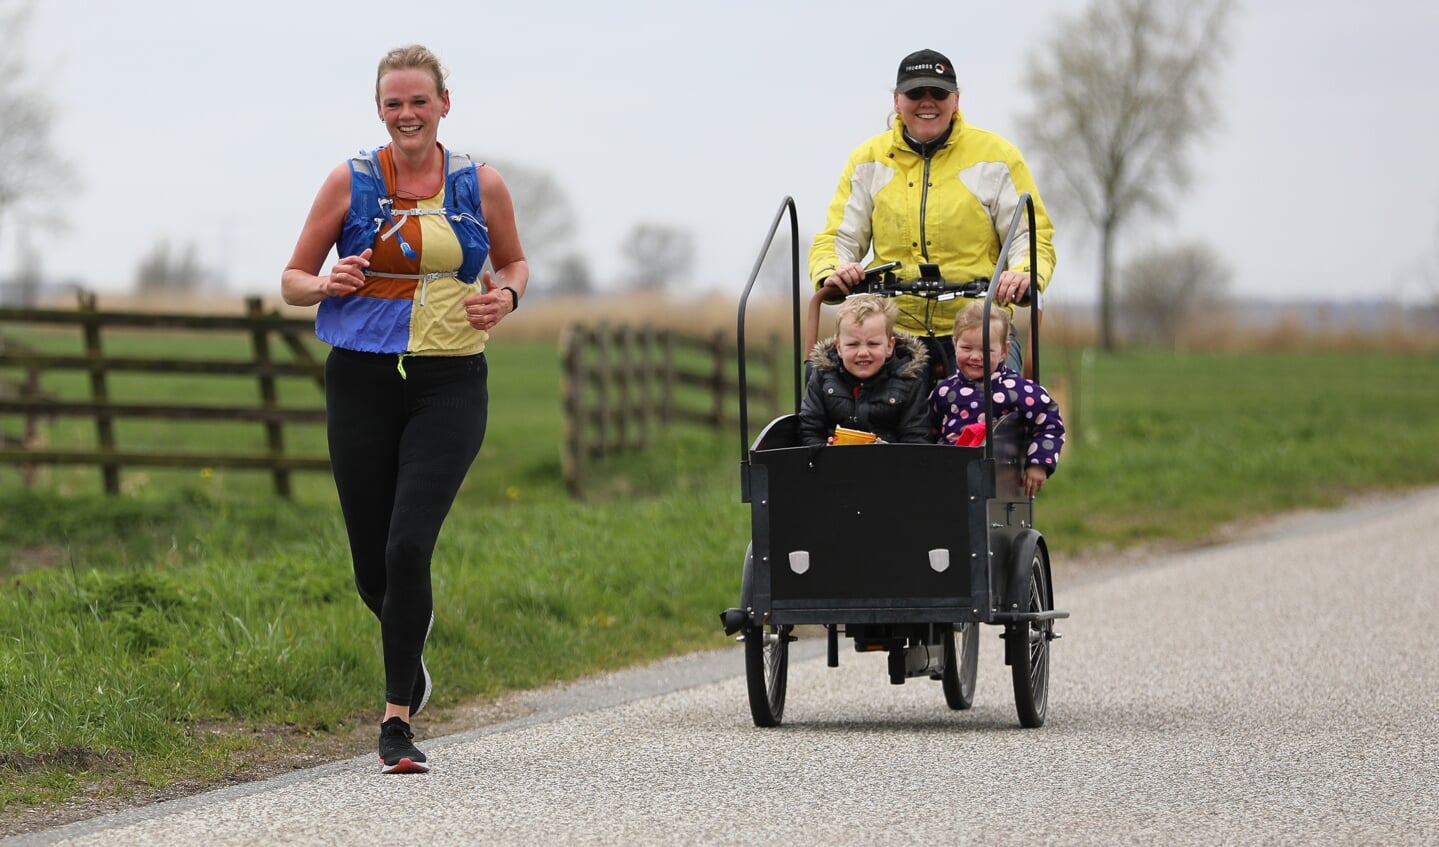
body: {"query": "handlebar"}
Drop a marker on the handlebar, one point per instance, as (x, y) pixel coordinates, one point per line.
(881, 280)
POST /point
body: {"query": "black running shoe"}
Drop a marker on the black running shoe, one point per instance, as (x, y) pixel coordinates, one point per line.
(398, 753)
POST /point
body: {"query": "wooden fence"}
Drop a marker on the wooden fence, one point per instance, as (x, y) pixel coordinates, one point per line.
(621, 382)
(25, 398)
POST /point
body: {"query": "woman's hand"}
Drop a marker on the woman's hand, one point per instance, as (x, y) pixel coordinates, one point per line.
(845, 278)
(1012, 287)
(489, 307)
(347, 276)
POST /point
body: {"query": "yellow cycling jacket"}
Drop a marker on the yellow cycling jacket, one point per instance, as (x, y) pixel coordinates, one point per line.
(953, 210)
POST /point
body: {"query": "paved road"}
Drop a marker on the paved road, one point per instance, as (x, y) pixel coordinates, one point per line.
(1277, 691)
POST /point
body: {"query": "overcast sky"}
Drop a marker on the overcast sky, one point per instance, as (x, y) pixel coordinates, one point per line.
(214, 124)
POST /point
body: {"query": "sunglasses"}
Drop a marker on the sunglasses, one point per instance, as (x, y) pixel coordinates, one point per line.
(927, 93)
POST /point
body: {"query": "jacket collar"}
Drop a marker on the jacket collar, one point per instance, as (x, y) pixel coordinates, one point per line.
(908, 362)
(898, 142)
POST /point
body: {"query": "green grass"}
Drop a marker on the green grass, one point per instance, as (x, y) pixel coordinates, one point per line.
(130, 624)
(1170, 446)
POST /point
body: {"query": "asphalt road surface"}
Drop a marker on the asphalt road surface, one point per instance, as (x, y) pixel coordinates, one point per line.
(1281, 690)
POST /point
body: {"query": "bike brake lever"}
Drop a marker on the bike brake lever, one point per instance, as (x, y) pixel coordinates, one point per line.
(877, 275)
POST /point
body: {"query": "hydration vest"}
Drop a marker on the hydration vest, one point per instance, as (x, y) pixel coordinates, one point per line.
(376, 325)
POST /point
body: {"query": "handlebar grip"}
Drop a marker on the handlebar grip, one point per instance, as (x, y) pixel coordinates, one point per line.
(879, 270)
(873, 276)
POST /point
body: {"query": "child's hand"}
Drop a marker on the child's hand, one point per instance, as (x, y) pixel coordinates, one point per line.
(1034, 479)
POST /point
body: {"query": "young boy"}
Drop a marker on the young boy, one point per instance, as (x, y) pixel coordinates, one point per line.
(958, 400)
(866, 377)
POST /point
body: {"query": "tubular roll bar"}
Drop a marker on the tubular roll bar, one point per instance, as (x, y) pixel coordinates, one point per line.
(786, 206)
(1026, 206)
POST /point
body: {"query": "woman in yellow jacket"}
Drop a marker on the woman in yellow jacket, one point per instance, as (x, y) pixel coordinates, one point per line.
(933, 189)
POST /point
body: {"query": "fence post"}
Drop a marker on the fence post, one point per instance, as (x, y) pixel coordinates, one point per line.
(623, 395)
(717, 348)
(302, 353)
(30, 390)
(572, 358)
(27, 389)
(602, 388)
(667, 367)
(269, 399)
(646, 382)
(99, 392)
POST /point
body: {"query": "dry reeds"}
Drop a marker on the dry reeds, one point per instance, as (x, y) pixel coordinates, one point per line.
(543, 318)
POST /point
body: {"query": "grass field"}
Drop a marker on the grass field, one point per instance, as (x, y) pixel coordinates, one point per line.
(137, 633)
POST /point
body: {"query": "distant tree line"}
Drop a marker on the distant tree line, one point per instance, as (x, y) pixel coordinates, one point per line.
(1122, 93)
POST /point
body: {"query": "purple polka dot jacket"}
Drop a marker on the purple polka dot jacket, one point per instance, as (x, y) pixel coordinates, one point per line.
(956, 402)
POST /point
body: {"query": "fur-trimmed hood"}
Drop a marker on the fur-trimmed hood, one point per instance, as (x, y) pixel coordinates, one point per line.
(909, 360)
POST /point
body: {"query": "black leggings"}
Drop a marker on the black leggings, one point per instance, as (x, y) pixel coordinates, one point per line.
(399, 449)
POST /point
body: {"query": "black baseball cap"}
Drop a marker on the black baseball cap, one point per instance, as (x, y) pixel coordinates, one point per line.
(924, 68)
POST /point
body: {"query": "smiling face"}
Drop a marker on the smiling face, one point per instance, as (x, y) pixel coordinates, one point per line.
(411, 107)
(969, 350)
(864, 345)
(925, 114)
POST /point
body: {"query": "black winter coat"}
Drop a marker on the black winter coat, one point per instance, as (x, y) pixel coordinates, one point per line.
(891, 404)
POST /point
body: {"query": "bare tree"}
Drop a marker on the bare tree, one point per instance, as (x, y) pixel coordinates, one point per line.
(658, 255)
(28, 280)
(1121, 94)
(29, 166)
(543, 215)
(1165, 288)
(1426, 274)
(162, 271)
(571, 276)
(1427, 269)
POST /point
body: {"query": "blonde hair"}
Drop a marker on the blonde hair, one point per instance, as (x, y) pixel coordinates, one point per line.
(972, 317)
(411, 56)
(861, 307)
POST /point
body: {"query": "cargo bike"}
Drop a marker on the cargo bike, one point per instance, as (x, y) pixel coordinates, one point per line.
(904, 549)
